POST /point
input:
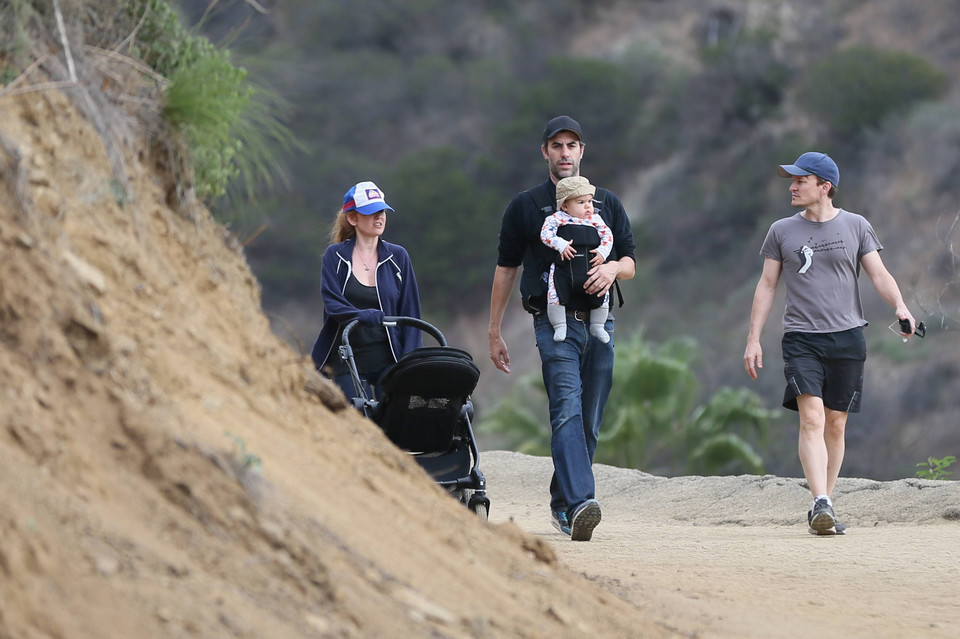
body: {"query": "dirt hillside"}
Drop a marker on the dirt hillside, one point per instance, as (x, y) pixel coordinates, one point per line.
(164, 471)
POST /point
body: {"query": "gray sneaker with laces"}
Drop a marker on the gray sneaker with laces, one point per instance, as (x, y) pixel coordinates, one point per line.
(821, 517)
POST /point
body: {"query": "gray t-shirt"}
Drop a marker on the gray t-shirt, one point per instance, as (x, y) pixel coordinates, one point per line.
(821, 263)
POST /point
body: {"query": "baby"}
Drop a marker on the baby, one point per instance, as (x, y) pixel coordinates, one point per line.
(575, 219)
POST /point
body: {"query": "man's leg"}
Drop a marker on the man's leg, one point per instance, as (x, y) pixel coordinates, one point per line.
(815, 457)
(812, 445)
(572, 481)
(833, 435)
(596, 371)
(596, 375)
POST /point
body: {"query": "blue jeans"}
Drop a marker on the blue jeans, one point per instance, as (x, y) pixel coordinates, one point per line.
(577, 374)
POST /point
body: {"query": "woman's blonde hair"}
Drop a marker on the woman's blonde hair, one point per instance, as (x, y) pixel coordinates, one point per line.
(342, 230)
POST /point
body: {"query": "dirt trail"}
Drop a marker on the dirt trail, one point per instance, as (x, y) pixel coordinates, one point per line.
(729, 557)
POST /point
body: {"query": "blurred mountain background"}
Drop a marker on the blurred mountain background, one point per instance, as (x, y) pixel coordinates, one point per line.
(687, 107)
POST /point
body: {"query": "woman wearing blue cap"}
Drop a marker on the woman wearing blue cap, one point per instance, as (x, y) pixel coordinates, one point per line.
(364, 277)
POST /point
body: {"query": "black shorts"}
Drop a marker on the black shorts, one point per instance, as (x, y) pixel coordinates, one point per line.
(825, 365)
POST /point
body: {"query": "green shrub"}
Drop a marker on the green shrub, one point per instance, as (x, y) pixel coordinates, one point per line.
(935, 468)
(653, 420)
(443, 212)
(605, 97)
(858, 88)
(229, 128)
(204, 103)
(245, 460)
(743, 81)
(14, 42)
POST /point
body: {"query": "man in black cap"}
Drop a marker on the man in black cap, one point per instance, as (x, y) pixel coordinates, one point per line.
(578, 371)
(819, 252)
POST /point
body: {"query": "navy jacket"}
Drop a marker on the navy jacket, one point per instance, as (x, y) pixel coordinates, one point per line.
(396, 288)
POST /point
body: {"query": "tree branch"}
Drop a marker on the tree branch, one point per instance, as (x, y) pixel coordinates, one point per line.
(71, 69)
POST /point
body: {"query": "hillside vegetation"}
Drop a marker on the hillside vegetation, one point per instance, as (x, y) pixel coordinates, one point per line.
(687, 109)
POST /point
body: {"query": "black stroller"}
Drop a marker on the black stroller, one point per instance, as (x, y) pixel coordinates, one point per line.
(426, 410)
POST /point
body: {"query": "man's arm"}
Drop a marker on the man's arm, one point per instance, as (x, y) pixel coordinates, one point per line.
(886, 286)
(503, 281)
(762, 303)
(601, 278)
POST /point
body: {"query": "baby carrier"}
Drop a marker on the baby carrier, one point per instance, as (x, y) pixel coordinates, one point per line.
(569, 276)
(533, 276)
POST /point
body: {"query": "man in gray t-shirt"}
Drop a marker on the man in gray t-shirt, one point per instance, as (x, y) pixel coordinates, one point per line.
(819, 252)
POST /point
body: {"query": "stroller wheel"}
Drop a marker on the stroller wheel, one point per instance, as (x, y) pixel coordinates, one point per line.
(480, 504)
(481, 510)
(476, 502)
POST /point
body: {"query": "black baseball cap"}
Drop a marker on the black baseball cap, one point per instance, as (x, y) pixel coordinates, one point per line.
(562, 123)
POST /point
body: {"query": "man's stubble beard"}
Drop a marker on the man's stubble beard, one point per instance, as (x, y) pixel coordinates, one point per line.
(573, 171)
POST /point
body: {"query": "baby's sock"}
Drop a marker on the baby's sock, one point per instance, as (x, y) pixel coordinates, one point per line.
(558, 319)
(598, 331)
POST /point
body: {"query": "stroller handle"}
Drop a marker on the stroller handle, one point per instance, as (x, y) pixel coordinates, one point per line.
(346, 351)
(391, 320)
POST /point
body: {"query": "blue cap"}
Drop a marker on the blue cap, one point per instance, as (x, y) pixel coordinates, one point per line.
(812, 163)
(366, 198)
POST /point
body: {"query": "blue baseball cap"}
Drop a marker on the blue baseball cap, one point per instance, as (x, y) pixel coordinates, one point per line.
(366, 198)
(812, 163)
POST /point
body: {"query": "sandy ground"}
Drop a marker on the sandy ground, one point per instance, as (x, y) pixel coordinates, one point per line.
(731, 556)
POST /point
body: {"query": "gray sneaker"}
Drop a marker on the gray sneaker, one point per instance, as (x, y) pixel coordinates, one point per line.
(838, 529)
(585, 518)
(821, 518)
(559, 520)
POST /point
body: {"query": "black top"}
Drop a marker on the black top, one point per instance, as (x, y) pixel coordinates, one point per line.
(371, 350)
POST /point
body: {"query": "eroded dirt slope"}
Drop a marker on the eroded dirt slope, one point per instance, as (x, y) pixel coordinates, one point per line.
(164, 470)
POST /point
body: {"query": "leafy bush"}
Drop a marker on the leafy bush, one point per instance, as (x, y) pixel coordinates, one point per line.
(858, 88)
(652, 420)
(204, 102)
(14, 42)
(935, 468)
(605, 97)
(447, 222)
(227, 129)
(743, 82)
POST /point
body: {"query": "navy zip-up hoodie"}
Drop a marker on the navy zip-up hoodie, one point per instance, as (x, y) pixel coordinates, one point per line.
(396, 289)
